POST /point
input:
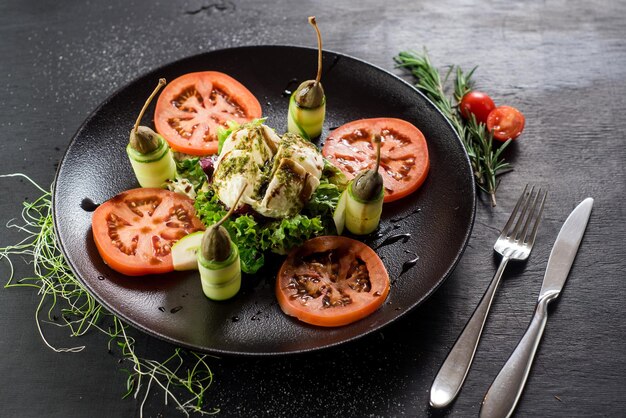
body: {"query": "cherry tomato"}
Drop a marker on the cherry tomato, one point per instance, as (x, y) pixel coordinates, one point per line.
(506, 122)
(193, 106)
(404, 160)
(331, 281)
(478, 103)
(134, 231)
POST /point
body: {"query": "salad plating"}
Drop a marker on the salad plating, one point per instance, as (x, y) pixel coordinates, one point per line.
(256, 191)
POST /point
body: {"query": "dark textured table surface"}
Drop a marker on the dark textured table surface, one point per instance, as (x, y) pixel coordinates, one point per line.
(562, 63)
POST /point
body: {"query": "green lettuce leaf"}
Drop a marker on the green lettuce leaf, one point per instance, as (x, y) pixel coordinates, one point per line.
(322, 205)
(254, 238)
(223, 133)
(324, 200)
(189, 168)
(333, 175)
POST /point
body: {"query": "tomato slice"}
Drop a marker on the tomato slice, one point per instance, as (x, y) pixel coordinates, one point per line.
(506, 123)
(331, 281)
(134, 231)
(193, 106)
(404, 160)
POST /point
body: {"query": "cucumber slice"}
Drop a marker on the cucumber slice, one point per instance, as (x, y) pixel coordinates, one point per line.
(150, 157)
(362, 218)
(185, 251)
(224, 291)
(221, 283)
(305, 122)
(153, 169)
(295, 128)
(339, 215)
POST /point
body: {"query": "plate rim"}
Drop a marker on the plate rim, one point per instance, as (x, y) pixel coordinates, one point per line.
(153, 333)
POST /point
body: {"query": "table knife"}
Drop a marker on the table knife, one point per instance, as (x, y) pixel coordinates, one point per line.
(506, 389)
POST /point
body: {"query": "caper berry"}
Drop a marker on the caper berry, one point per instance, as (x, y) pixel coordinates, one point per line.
(367, 185)
(144, 140)
(310, 94)
(216, 244)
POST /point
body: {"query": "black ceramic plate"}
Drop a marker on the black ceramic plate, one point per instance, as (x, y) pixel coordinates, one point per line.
(434, 223)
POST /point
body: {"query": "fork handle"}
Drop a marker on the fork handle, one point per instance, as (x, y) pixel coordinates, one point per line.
(506, 389)
(454, 369)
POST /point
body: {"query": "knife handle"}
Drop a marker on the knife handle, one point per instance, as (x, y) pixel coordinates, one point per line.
(454, 369)
(506, 389)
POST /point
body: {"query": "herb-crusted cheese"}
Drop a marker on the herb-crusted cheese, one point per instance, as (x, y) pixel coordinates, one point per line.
(281, 173)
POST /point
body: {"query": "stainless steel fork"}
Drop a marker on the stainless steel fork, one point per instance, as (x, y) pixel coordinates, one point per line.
(514, 243)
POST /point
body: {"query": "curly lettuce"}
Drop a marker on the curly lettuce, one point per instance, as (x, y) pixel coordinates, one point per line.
(190, 169)
(255, 237)
(324, 200)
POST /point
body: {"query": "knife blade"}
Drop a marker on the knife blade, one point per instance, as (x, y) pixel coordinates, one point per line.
(565, 249)
(506, 389)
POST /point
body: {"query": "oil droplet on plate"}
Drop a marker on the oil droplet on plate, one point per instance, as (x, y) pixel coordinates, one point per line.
(88, 205)
(289, 87)
(409, 264)
(401, 218)
(395, 238)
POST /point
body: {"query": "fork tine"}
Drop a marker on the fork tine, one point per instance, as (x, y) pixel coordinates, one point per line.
(524, 233)
(515, 234)
(536, 226)
(507, 226)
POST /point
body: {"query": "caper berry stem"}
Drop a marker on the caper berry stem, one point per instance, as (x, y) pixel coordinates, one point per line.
(232, 208)
(162, 82)
(313, 23)
(378, 141)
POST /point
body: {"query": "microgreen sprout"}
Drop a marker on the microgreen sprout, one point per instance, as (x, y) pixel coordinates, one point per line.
(61, 292)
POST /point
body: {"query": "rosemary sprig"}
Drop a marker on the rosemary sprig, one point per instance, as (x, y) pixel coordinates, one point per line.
(70, 305)
(486, 162)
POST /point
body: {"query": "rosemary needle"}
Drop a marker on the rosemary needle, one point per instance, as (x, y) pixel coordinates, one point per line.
(486, 162)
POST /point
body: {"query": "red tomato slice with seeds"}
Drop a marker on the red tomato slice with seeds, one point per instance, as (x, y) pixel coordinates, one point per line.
(404, 160)
(134, 231)
(193, 106)
(506, 123)
(331, 281)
